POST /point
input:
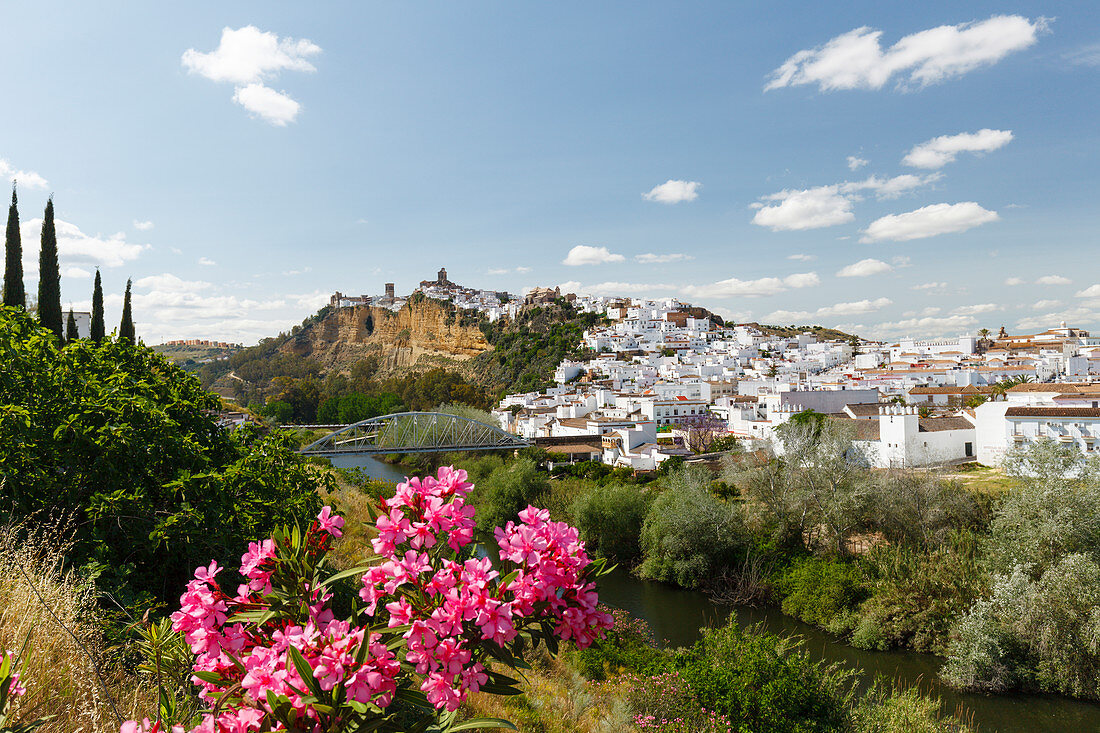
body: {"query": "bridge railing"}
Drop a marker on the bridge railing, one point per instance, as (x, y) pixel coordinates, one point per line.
(413, 432)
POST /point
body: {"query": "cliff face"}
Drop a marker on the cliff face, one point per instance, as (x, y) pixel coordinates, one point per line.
(421, 330)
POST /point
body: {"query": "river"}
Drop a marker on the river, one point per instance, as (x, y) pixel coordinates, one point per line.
(676, 615)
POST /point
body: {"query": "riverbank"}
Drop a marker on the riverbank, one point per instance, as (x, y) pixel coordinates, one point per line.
(676, 615)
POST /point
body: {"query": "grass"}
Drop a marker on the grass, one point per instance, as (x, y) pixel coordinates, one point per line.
(55, 613)
(983, 480)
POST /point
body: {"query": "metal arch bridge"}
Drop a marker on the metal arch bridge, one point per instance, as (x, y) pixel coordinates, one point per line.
(412, 432)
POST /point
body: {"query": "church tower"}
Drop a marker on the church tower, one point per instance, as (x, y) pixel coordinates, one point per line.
(441, 279)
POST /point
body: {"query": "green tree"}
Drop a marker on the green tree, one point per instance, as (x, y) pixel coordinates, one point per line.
(71, 333)
(610, 520)
(114, 439)
(49, 277)
(126, 327)
(97, 331)
(14, 294)
(506, 492)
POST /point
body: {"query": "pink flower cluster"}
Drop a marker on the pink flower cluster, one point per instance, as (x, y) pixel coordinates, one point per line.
(450, 607)
(445, 608)
(329, 646)
(14, 688)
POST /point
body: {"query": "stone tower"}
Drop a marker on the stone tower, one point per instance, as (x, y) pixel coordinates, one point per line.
(442, 277)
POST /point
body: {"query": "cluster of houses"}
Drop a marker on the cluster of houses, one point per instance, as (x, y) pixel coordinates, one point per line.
(492, 303)
(663, 369)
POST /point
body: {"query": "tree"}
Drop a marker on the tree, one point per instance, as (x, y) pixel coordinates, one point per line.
(97, 309)
(14, 294)
(49, 277)
(126, 327)
(71, 333)
(703, 430)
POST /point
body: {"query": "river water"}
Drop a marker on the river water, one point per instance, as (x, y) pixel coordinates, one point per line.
(676, 615)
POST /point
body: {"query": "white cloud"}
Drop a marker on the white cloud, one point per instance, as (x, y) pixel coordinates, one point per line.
(1053, 280)
(857, 60)
(498, 270)
(974, 310)
(26, 179)
(622, 288)
(890, 188)
(523, 269)
(939, 151)
(569, 286)
(674, 192)
(1092, 291)
(826, 206)
(583, 254)
(734, 288)
(802, 257)
(930, 286)
(263, 101)
(206, 261)
(1047, 304)
(927, 327)
(312, 301)
(171, 284)
(75, 248)
(247, 57)
(1085, 56)
(798, 210)
(77, 272)
(650, 258)
(732, 316)
(928, 221)
(864, 268)
(1012, 281)
(143, 226)
(1078, 316)
(829, 311)
(855, 162)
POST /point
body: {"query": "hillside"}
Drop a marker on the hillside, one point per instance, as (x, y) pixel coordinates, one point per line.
(423, 332)
(191, 358)
(822, 333)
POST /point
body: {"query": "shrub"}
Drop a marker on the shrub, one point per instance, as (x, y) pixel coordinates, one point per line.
(764, 682)
(902, 711)
(917, 594)
(820, 590)
(689, 535)
(610, 520)
(1033, 634)
(506, 491)
(118, 440)
(628, 647)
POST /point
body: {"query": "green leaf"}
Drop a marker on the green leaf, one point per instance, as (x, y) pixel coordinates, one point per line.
(305, 671)
(482, 723)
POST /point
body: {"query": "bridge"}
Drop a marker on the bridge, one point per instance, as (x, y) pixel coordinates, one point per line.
(410, 432)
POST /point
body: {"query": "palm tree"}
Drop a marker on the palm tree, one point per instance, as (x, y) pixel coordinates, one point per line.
(983, 333)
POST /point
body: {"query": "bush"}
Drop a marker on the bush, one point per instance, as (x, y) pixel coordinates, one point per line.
(689, 535)
(628, 647)
(764, 682)
(117, 440)
(902, 711)
(504, 493)
(1033, 634)
(610, 520)
(820, 590)
(917, 594)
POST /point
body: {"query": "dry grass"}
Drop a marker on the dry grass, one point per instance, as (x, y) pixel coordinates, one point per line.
(984, 480)
(556, 699)
(40, 604)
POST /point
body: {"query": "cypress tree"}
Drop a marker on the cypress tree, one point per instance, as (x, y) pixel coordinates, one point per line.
(71, 333)
(126, 328)
(97, 309)
(49, 277)
(14, 294)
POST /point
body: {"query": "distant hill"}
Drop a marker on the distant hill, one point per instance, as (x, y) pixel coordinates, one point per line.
(822, 333)
(192, 358)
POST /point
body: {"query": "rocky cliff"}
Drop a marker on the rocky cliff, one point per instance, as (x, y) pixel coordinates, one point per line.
(423, 331)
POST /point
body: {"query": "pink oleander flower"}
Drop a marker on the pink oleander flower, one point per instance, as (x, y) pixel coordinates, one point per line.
(333, 524)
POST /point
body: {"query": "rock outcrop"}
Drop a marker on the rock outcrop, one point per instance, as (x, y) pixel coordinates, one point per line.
(423, 331)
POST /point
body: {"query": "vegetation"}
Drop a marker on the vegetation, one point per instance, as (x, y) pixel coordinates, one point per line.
(126, 326)
(14, 296)
(527, 350)
(49, 277)
(97, 328)
(114, 442)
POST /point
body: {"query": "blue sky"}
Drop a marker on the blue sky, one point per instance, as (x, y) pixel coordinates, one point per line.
(891, 168)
